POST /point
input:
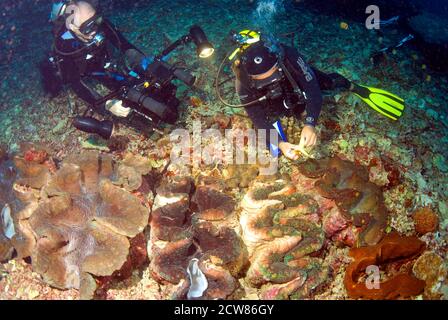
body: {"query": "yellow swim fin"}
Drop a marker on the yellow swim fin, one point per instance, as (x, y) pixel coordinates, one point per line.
(383, 102)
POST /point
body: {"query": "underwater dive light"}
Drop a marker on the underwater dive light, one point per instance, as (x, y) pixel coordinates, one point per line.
(104, 128)
(204, 47)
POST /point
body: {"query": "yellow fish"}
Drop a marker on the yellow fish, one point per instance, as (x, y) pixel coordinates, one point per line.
(344, 25)
(303, 152)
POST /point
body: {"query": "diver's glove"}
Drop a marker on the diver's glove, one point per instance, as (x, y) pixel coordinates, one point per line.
(116, 108)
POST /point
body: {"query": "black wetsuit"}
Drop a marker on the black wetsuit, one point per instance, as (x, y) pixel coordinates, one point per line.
(80, 63)
(310, 80)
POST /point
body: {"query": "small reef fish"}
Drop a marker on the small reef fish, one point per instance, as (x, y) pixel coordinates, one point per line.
(344, 25)
(303, 152)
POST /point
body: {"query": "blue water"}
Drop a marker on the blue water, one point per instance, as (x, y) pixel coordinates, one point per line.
(439, 7)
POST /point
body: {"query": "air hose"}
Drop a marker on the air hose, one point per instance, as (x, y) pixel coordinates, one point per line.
(68, 54)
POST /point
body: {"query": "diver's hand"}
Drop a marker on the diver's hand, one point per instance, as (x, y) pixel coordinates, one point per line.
(291, 151)
(308, 137)
(116, 107)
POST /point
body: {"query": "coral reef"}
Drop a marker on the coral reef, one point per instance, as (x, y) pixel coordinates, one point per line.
(195, 223)
(425, 220)
(360, 201)
(292, 128)
(393, 248)
(81, 225)
(239, 175)
(282, 230)
(407, 159)
(431, 268)
(33, 166)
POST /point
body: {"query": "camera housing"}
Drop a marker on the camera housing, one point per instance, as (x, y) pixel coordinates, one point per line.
(154, 94)
(149, 89)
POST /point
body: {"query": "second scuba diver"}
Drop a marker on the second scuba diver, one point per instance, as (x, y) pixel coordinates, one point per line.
(275, 79)
(83, 55)
(83, 48)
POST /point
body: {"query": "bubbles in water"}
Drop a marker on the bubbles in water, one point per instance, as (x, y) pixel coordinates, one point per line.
(264, 20)
(266, 12)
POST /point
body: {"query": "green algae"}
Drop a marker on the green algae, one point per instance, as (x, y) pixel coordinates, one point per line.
(94, 143)
(59, 128)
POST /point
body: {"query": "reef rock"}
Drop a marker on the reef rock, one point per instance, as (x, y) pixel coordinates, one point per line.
(431, 268)
(393, 248)
(360, 202)
(282, 231)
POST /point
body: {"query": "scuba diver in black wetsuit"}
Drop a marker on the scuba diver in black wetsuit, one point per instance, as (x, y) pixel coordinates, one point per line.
(271, 79)
(82, 52)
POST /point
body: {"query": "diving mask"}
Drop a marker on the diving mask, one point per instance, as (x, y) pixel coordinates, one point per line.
(92, 25)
